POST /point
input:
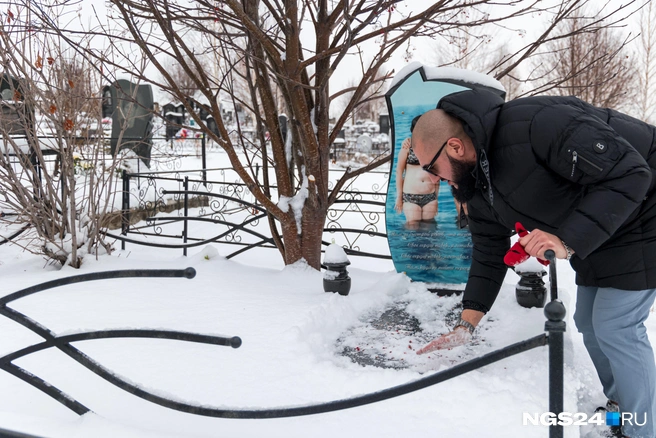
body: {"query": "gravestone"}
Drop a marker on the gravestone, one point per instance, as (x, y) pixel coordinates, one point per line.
(131, 109)
(436, 250)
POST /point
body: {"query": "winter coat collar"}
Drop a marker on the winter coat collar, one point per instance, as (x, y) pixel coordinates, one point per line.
(478, 111)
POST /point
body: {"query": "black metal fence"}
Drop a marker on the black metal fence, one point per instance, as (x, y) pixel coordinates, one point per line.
(178, 201)
(173, 204)
(555, 326)
(63, 343)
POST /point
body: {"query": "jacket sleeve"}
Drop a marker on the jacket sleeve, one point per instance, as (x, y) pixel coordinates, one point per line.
(613, 176)
(491, 241)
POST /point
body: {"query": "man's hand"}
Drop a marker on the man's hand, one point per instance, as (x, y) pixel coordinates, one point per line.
(459, 336)
(538, 241)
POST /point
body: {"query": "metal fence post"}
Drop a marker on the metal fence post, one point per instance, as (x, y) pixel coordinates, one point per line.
(186, 213)
(61, 179)
(125, 206)
(555, 326)
(203, 144)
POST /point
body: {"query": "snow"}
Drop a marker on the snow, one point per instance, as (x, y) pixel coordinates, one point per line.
(435, 73)
(297, 201)
(530, 265)
(288, 145)
(335, 254)
(294, 338)
(330, 275)
(315, 128)
(301, 346)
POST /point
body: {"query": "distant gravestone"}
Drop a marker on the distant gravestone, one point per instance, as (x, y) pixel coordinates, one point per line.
(212, 125)
(173, 120)
(131, 109)
(107, 104)
(203, 113)
(169, 108)
(282, 121)
(364, 143)
(16, 116)
(384, 123)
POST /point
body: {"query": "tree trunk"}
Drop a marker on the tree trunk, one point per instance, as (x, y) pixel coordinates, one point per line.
(306, 244)
(313, 222)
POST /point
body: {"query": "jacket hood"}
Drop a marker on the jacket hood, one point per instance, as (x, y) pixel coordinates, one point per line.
(477, 110)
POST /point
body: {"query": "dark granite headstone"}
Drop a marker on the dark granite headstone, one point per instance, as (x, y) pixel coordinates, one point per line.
(131, 108)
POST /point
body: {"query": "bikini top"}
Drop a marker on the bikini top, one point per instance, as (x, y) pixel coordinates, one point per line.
(412, 158)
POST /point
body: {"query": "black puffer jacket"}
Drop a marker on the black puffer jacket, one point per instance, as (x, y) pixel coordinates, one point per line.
(558, 164)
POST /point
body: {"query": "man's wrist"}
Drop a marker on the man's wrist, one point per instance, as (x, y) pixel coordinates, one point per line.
(466, 325)
(472, 316)
(569, 252)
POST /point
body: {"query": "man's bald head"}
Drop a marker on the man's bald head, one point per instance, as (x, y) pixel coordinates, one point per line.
(436, 130)
(435, 127)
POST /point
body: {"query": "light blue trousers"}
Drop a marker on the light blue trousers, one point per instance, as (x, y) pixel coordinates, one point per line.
(612, 323)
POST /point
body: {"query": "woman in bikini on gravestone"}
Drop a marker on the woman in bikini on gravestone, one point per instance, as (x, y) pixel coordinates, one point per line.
(416, 194)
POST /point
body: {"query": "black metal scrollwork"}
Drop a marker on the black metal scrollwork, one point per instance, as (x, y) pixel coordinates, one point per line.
(355, 217)
(63, 343)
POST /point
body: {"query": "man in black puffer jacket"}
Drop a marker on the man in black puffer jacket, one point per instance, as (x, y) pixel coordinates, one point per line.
(582, 180)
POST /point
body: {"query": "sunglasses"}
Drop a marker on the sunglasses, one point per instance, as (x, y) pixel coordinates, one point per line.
(429, 167)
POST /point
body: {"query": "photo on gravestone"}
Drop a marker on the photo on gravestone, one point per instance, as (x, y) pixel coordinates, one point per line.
(426, 228)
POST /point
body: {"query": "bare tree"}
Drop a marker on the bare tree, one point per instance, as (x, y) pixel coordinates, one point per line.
(481, 50)
(567, 58)
(464, 47)
(513, 85)
(370, 104)
(54, 180)
(263, 44)
(593, 64)
(183, 80)
(646, 99)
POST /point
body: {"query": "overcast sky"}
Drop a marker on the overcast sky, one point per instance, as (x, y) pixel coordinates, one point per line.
(420, 50)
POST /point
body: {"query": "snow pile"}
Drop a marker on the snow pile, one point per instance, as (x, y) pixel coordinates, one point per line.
(335, 254)
(530, 265)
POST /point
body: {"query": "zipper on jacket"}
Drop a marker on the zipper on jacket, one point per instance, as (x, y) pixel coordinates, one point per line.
(575, 159)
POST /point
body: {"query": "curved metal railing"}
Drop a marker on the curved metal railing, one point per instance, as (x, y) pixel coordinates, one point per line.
(63, 343)
(555, 326)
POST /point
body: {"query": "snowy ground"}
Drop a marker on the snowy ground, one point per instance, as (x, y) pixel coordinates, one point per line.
(300, 346)
(294, 339)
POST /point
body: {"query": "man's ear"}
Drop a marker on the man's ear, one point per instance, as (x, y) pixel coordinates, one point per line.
(457, 146)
